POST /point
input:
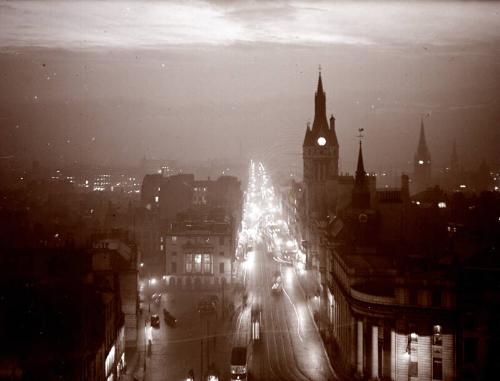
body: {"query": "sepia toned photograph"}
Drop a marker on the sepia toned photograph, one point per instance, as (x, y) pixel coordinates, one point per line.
(249, 190)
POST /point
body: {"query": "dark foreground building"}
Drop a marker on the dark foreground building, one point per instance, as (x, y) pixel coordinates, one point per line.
(413, 284)
(59, 321)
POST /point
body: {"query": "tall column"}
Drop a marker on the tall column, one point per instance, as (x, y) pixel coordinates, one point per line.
(359, 357)
(375, 375)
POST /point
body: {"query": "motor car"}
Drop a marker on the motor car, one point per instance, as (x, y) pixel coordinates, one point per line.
(238, 365)
(156, 298)
(169, 318)
(155, 321)
(277, 284)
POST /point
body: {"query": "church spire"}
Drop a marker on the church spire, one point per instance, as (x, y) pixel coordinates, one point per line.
(422, 149)
(360, 193)
(360, 171)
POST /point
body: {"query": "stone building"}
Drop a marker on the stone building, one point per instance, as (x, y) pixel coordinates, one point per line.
(199, 248)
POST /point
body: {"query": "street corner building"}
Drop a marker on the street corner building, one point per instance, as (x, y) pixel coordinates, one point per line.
(404, 275)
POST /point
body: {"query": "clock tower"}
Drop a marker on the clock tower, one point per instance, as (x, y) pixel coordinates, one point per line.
(320, 152)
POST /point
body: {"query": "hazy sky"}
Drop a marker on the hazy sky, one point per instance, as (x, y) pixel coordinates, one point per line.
(112, 81)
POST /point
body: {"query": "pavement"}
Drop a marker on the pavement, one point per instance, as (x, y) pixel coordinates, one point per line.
(195, 342)
(311, 288)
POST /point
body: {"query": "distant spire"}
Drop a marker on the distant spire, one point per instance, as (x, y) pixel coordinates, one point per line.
(360, 171)
(360, 193)
(422, 144)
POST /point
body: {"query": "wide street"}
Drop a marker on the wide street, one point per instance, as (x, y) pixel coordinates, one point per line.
(290, 346)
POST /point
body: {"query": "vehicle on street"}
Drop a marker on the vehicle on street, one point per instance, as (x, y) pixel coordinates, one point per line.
(156, 298)
(256, 319)
(238, 365)
(155, 321)
(169, 318)
(277, 285)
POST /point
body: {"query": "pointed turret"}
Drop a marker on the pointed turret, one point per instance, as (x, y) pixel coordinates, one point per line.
(308, 138)
(333, 134)
(360, 193)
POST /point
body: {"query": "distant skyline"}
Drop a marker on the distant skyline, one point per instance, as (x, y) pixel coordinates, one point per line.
(110, 82)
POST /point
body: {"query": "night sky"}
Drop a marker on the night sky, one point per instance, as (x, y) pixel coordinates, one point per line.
(110, 82)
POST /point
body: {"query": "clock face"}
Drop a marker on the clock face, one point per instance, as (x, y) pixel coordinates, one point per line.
(321, 141)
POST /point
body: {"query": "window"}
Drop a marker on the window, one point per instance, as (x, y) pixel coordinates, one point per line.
(221, 240)
(197, 263)
(189, 263)
(173, 267)
(174, 253)
(413, 351)
(161, 247)
(436, 338)
(174, 238)
(437, 368)
(221, 268)
(207, 264)
(221, 253)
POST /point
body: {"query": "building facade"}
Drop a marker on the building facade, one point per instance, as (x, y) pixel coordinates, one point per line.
(199, 249)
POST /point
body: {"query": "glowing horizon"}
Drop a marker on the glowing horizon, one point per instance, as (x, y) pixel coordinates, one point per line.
(125, 24)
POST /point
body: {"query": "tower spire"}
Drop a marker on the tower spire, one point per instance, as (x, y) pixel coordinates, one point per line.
(360, 193)
(320, 120)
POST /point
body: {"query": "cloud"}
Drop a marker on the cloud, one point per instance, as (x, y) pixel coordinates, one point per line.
(157, 23)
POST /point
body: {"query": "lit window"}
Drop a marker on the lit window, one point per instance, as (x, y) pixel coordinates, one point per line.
(442, 205)
(161, 247)
(413, 352)
(197, 263)
(157, 198)
(207, 263)
(436, 338)
(174, 238)
(420, 162)
(189, 263)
